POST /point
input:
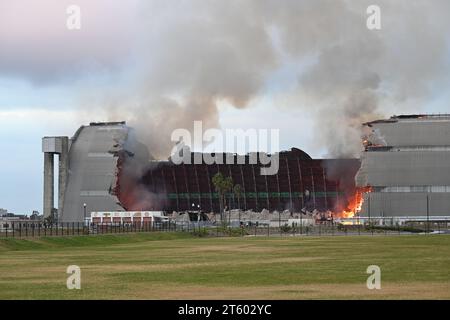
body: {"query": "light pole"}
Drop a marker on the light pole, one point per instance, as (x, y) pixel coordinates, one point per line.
(301, 222)
(428, 214)
(84, 209)
(279, 222)
(239, 217)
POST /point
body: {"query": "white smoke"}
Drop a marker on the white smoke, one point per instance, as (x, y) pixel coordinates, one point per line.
(189, 55)
(197, 53)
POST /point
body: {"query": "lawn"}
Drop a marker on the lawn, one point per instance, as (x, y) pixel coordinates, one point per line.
(179, 266)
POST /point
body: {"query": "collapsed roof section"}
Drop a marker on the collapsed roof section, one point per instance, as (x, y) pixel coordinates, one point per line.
(409, 131)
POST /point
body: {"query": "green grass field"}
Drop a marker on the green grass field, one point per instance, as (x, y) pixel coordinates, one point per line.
(179, 266)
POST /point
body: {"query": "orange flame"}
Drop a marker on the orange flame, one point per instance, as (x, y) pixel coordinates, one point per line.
(355, 203)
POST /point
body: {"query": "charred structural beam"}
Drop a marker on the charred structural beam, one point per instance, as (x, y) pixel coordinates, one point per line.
(301, 183)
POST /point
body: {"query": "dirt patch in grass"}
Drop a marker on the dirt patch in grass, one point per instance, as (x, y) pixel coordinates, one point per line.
(317, 291)
(178, 266)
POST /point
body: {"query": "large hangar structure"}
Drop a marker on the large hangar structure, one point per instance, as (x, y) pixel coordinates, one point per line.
(406, 163)
(105, 168)
(88, 173)
(301, 184)
(403, 173)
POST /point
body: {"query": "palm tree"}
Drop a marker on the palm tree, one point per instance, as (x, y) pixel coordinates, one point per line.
(222, 185)
(237, 190)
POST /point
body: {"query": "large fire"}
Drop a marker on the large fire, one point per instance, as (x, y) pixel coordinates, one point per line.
(355, 203)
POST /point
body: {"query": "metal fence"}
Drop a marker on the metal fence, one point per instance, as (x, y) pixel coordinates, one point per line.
(321, 230)
(38, 229)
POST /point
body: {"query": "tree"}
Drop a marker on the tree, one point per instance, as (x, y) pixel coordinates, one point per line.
(237, 190)
(222, 185)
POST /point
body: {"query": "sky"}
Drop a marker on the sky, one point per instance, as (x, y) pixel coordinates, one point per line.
(309, 68)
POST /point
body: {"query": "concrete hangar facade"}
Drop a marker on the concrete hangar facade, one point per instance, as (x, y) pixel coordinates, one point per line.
(406, 164)
(94, 163)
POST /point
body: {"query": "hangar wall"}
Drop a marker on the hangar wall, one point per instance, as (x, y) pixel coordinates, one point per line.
(92, 170)
(406, 162)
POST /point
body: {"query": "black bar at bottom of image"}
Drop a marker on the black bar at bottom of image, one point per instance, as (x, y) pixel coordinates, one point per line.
(233, 309)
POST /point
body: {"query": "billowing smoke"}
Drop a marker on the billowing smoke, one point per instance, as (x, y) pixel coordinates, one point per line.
(188, 56)
(195, 54)
(192, 55)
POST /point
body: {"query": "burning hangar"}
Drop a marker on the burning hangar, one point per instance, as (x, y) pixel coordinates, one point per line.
(406, 166)
(403, 173)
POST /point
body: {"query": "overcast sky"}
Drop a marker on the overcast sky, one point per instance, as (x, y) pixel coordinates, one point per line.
(309, 68)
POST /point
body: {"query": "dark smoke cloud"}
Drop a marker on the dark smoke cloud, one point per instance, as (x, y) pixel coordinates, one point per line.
(190, 55)
(205, 52)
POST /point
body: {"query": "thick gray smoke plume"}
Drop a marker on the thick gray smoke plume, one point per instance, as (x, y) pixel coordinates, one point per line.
(192, 54)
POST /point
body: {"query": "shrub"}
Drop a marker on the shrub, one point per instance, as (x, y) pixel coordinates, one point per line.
(285, 228)
(202, 232)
